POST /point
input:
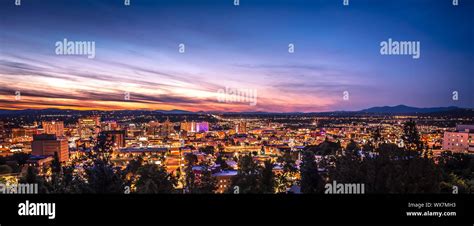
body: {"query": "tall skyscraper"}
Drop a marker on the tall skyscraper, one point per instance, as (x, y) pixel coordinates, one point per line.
(48, 144)
(53, 127)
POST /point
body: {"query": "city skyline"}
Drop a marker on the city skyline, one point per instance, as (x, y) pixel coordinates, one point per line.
(336, 49)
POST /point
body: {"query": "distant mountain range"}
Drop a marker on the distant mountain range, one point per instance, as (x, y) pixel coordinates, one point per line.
(399, 109)
(403, 109)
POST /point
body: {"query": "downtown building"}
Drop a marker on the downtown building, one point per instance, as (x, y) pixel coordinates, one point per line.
(89, 127)
(53, 127)
(48, 144)
(197, 127)
(461, 140)
(241, 127)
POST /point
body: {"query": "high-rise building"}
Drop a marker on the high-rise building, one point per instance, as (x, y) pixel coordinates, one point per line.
(25, 132)
(48, 144)
(195, 126)
(109, 125)
(241, 127)
(153, 128)
(117, 137)
(53, 127)
(89, 127)
(462, 140)
(167, 128)
(188, 126)
(202, 127)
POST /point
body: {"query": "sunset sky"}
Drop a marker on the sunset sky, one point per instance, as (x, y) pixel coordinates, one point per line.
(337, 49)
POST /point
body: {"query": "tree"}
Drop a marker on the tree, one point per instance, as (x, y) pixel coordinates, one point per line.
(411, 137)
(352, 147)
(286, 179)
(209, 150)
(190, 176)
(311, 181)
(56, 164)
(5, 169)
(220, 161)
(268, 179)
(102, 178)
(32, 177)
(155, 179)
(248, 176)
(205, 182)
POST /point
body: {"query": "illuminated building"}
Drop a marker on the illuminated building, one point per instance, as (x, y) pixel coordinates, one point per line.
(117, 137)
(195, 126)
(202, 127)
(167, 128)
(53, 127)
(188, 126)
(241, 127)
(89, 127)
(224, 180)
(48, 144)
(109, 125)
(23, 132)
(462, 140)
(153, 128)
